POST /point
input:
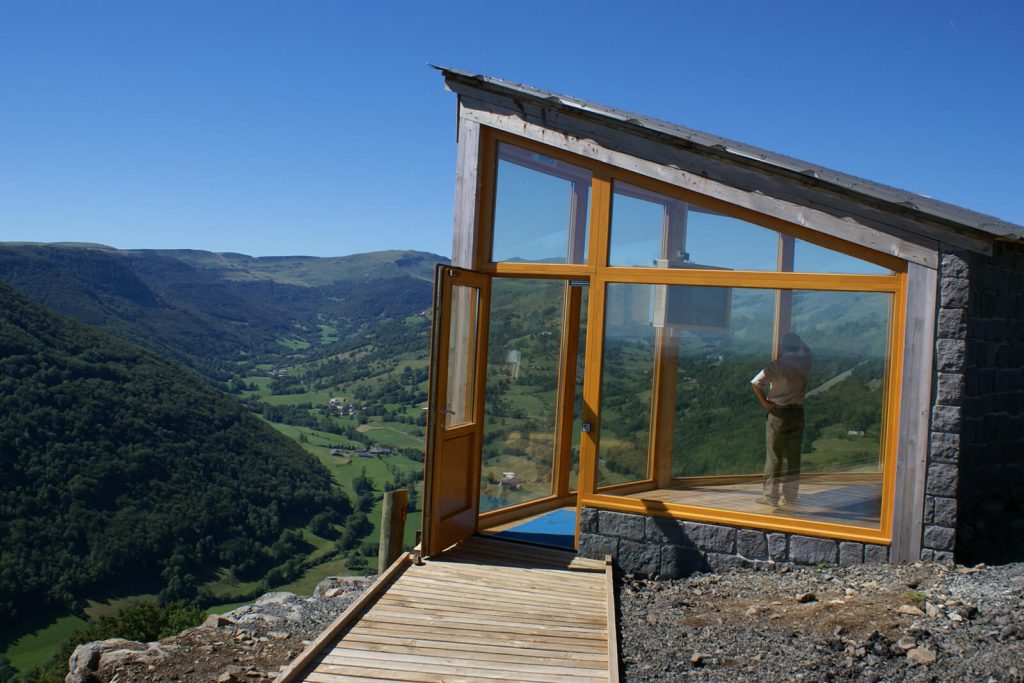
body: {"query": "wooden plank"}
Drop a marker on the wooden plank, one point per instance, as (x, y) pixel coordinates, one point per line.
(566, 633)
(306, 657)
(882, 228)
(432, 672)
(504, 600)
(381, 632)
(511, 576)
(536, 598)
(507, 623)
(377, 675)
(613, 622)
(915, 411)
(449, 606)
(466, 195)
(502, 552)
(542, 612)
(341, 678)
(535, 665)
(492, 652)
(535, 638)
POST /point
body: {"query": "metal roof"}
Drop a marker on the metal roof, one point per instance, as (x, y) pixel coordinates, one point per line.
(746, 154)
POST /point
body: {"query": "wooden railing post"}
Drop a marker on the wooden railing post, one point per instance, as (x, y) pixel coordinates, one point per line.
(392, 528)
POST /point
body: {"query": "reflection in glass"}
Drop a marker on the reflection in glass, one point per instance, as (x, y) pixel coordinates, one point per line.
(459, 394)
(722, 431)
(652, 230)
(626, 384)
(541, 208)
(707, 415)
(577, 422)
(522, 384)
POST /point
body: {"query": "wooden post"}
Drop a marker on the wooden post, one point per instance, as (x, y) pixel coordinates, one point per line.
(392, 528)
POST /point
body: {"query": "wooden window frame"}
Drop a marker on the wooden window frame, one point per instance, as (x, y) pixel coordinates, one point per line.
(599, 274)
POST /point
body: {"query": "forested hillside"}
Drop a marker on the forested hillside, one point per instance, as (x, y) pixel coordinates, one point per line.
(217, 312)
(116, 464)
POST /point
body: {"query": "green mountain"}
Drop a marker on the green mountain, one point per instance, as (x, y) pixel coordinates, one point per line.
(116, 464)
(214, 311)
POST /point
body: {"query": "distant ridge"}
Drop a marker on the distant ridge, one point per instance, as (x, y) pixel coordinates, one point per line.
(210, 310)
(116, 465)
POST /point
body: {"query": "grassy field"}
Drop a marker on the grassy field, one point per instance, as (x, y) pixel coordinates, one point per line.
(37, 646)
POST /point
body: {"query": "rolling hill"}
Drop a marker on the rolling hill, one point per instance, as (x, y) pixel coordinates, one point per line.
(117, 465)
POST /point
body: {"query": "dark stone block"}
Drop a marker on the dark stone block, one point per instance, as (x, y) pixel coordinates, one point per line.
(662, 530)
(638, 558)
(946, 419)
(945, 446)
(622, 525)
(952, 324)
(678, 561)
(588, 521)
(942, 557)
(941, 480)
(939, 537)
(721, 561)
(851, 553)
(808, 550)
(954, 265)
(950, 355)
(950, 388)
(875, 554)
(778, 547)
(595, 546)
(719, 539)
(752, 544)
(955, 293)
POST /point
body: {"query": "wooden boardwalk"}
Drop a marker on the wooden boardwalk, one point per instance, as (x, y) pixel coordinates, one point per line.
(485, 610)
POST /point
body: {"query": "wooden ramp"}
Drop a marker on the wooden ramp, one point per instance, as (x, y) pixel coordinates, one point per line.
(485, 610)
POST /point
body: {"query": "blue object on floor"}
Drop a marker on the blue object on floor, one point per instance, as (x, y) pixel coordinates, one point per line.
(557, 528)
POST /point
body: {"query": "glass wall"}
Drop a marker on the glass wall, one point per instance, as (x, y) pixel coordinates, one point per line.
(522, 385)
(541, 209)
(626, 384)
(696, 302)
(652, 230)
(692, 352)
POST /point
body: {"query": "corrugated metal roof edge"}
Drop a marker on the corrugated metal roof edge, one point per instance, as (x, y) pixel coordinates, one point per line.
(727, 148)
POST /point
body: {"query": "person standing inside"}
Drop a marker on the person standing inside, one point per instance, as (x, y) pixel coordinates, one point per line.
(781, 388)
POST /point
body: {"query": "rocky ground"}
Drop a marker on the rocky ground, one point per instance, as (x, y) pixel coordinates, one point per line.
(248, 644)
(918, 622)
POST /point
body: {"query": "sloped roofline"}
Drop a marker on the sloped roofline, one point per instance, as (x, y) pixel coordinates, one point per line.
(740, 152)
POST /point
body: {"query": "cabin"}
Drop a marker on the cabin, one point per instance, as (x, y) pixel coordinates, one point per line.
(643, 275)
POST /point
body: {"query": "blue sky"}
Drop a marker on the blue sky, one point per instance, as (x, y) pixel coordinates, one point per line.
(275, 128)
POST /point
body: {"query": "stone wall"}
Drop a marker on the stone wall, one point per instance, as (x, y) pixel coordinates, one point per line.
(942, 483)
(670, 548)
(991, 460)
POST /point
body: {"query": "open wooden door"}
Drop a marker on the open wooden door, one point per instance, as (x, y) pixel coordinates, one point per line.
(458, 358)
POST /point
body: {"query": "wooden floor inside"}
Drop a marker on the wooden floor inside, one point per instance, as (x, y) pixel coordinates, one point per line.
(485, 610)
(856, 501)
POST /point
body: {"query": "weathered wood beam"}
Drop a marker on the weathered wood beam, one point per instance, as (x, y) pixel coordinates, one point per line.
(875, 227)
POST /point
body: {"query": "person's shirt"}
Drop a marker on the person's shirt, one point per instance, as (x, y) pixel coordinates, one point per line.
(784, 381)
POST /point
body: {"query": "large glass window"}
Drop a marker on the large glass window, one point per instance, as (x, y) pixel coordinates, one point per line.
(651, 230)
(522, 384)
(678, 422)
(824, 355)
(626, 384)
(541, 209)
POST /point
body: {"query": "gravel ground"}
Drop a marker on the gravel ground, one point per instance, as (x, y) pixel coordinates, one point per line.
(919, 622)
